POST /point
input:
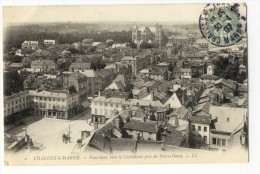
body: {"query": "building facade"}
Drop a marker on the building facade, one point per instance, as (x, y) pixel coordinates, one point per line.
(58, 105)
(78, 80)
(16, 103)
(43, 66)
(137, 62)
(148, 34)
(49, 42)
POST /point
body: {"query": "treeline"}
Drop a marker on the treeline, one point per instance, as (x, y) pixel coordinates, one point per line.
(227, 70)
(14, 36)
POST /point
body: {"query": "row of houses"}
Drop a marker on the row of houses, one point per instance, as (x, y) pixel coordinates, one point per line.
(208, 127)
(35, 44)
(49, 104)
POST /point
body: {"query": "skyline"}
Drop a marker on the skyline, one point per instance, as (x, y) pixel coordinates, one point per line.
(101, 13)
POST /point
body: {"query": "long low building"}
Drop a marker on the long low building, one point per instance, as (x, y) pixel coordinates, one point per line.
(103, 107)
(57, 104)
(50, 104)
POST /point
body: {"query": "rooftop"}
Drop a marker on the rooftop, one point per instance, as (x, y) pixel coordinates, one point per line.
(228, 118)
(142, 126)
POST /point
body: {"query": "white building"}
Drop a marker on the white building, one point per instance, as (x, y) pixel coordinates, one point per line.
(58, 104)
(16, 103)
(49, 42)
(228, 127)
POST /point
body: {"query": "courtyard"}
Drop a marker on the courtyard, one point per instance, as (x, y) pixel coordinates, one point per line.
(48, 133)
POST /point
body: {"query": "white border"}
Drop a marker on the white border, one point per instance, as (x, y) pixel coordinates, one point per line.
(253, 167)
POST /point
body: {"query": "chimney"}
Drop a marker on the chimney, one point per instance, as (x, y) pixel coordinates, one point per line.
(117, 123)
(130, 113)
(95, 126)
(176, 121)
(182, 98)
(99, 93)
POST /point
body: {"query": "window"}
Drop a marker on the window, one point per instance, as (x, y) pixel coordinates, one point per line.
(150, 133)
(219, 142)
(214, 141)
(205, 138)
(223, 142)
(193, 136)
(193, 127)
(205, 129)
(199, 128)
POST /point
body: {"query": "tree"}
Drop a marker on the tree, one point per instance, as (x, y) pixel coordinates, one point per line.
(73, 50)
(17, 59)
(133, 45)
(72, 89)
(12, 83)
(145, 45)
(171, 66)
(224, 69)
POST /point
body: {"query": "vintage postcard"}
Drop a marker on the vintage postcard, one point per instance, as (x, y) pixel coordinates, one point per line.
(125, 84)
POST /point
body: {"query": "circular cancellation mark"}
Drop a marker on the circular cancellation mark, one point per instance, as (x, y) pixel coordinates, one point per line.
(223, 24)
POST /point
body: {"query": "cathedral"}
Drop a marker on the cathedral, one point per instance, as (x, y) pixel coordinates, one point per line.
(147, 34)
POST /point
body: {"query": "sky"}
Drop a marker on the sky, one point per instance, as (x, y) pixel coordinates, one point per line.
(177, 13)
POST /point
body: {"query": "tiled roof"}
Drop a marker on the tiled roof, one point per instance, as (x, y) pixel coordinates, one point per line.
(173, 137)
(141, 126)
(181, 112)
(56, 94)
(202, 107)
(80, 66)
(123, 144)
(16, 65)
(89, 73)
(100, 138)
(77, 75)
(43, 63)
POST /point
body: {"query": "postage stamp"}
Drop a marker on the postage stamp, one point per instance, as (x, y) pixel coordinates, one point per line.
(222, 24)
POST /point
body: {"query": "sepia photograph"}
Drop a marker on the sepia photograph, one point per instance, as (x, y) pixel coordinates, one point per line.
(125, 84)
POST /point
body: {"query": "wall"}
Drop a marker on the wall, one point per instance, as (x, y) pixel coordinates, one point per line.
(196, 132)
(145, 135)
(218, 136)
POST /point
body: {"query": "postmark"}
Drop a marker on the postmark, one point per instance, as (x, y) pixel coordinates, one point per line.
(223, 24)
